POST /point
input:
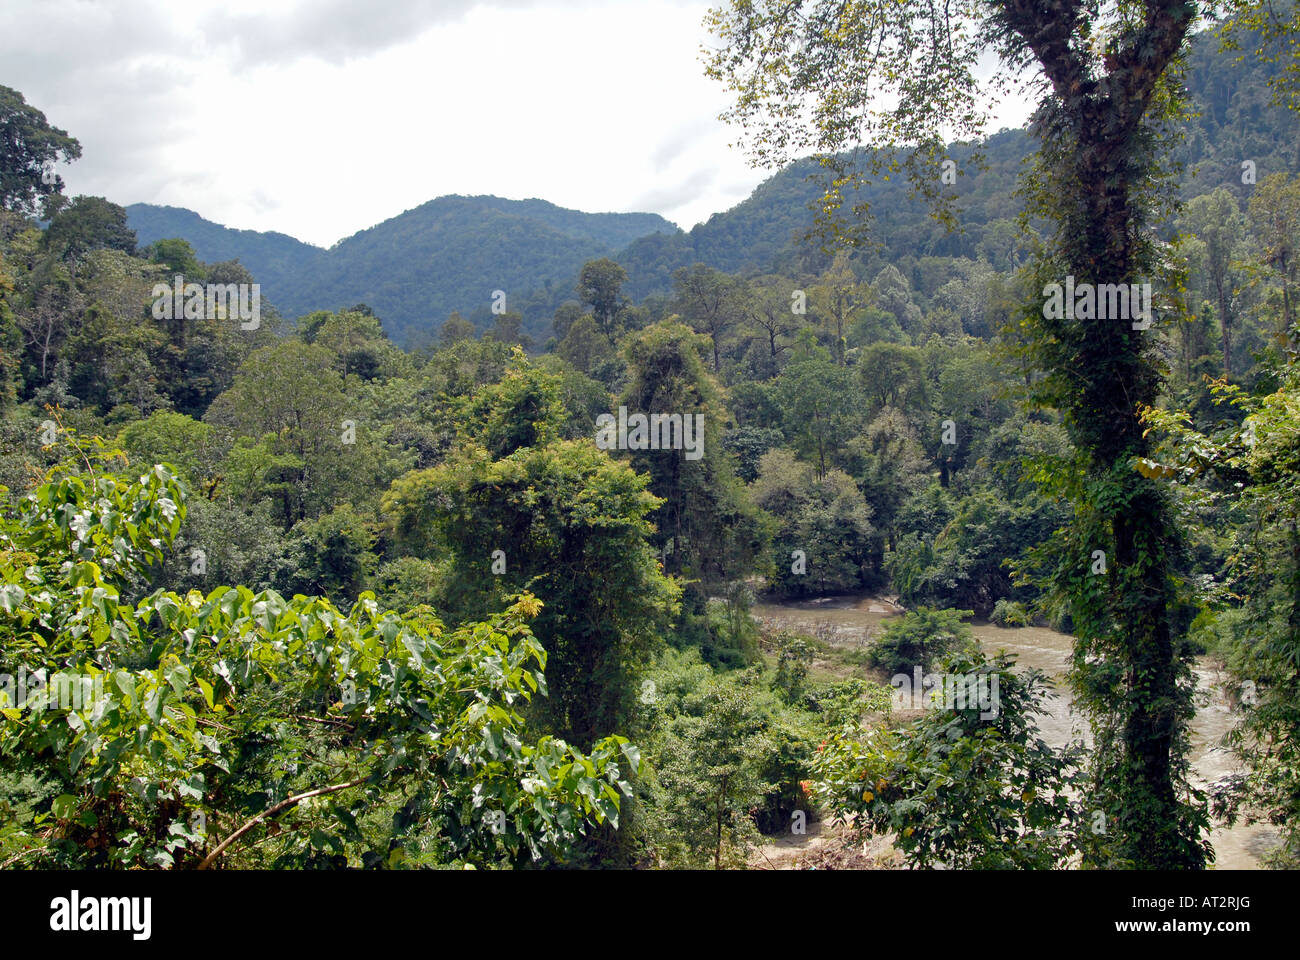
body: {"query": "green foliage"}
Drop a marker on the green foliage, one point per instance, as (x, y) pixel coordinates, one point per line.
(1246, 461)
(170, 437)
(30, 143)
(967, 560)
(571, 525)
(960, 789)
(86, 224)
(825, 518)
(709, 767)
(921, 638)
(794, 654)
(331, 556)
(1009, 613)
(831, 385)
(212, 714)
(717, 537)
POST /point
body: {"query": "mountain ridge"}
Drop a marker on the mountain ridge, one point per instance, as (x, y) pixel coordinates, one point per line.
(451, 253)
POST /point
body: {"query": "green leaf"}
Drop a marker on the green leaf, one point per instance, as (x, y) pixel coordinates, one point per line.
(11, 597)
(64, 805)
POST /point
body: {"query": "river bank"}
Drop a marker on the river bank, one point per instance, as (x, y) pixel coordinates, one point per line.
(850, 622)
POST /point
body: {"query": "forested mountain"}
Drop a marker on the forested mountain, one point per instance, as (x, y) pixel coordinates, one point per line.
(450, 254)
(446, 255)
(277, 260)
(446, 570)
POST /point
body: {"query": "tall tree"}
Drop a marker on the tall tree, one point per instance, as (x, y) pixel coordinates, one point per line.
(884, 74)
(707, 526)
(767, 306)
(600, 284)
(1217, 222)
(709, 301)
(837, 297)
(29, 148)
(572, 523)
(1275, 212)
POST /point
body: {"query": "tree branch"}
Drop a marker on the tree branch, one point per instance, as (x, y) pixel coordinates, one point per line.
(280, 807)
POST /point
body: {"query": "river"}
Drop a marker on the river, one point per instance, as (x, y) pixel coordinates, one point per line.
(853, 620)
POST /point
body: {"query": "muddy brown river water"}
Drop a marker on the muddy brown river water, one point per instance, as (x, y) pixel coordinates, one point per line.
(852, 621)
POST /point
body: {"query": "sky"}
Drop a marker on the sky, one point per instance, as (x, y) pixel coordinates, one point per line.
(319, 118)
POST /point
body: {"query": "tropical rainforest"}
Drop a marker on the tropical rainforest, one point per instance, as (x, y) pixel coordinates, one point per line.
(355, 585)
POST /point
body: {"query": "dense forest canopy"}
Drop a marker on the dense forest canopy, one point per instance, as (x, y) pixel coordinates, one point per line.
(353, 579)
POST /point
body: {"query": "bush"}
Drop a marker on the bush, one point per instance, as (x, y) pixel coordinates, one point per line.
(920, 639)
(794, 656)
(1009, 613)
(210, 709)
(961, 789)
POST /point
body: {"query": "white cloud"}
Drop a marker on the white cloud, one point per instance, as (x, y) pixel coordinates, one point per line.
(321, 119)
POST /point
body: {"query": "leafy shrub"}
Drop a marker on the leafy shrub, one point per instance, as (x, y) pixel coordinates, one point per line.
(1009, 613)
(961, 789)
(794, 654)
(920, 638)
(300, 735)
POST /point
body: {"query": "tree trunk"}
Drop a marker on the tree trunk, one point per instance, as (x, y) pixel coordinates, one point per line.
(1097, 125)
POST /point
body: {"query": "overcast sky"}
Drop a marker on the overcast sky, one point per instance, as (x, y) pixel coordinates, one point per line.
(319, 118)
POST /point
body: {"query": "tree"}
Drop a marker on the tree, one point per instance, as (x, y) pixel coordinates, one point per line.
(455, 329)
(1266, 28)
(826, 518)
(600, 285)
(362, 347)
(508, 329)
(566, 315)
(707, 527)
(585, 346)
(1275, 212)
(768, 309)
(331, 556)
(820, 407)
(710, 776)
(837, 297)
(890, 375)
(166, 437)
(1252, 614)
(292, 392)
(524, 409)
(86, 224)
(709, 301)
(11, 341)
(177, 256)
(893, 294)
(895, 81)
(570, 522)
(964, 786)
(1215, 219)
(217, 717)
(921, 638)
(29, 148)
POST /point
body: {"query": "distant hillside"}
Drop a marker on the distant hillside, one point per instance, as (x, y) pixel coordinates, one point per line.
(414, 269)
(762, 232)
(452, 252)
(1233, 122)
(276, 260)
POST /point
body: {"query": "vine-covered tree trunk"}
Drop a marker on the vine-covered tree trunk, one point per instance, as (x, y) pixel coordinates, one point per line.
(1097, 139)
